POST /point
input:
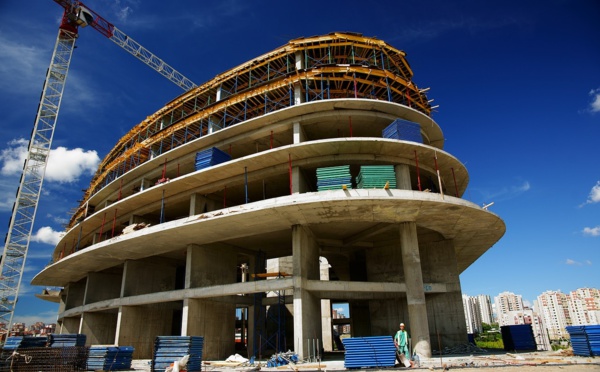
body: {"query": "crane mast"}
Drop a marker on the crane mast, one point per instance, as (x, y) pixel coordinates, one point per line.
(24, 210)
(28, 194)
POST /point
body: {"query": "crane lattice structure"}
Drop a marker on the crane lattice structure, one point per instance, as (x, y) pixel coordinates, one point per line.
(17, 240)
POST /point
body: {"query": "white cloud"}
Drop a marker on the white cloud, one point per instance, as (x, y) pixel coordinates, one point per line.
(64, 165)
(595, 104)
(572, 262)
(47, 235)
(524, 187)
(591, 231)
(13, 157)
(67, 165)
(594, 196)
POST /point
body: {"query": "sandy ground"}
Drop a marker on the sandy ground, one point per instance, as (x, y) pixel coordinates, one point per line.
(489, 362)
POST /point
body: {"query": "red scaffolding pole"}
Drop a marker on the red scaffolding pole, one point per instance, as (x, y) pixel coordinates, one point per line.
(418, 176)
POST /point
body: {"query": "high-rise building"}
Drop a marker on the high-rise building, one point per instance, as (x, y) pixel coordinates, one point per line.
(552, 306)
(322, 147)
(505, 303)
(485, 308)
(472, 314)
(584, 306)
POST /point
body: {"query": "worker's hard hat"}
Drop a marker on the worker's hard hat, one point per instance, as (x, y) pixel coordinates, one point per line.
(401, 324)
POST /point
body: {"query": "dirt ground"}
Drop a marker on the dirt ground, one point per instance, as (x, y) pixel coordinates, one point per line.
(498, 361)
(532, 368)
(542, 361)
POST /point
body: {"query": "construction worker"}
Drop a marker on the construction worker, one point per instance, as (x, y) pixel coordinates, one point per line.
(401, 342)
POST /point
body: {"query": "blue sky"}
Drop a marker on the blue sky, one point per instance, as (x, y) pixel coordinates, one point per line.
(518, 84)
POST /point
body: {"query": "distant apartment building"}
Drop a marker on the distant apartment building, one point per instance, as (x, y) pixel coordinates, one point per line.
(584, 306)
(552, 306)
(472, 314)
(485, 308)
(17, 329)
(507, 302)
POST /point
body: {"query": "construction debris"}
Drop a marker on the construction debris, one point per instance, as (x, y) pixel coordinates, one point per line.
(460, 349)
(134, 227)
(282, 359)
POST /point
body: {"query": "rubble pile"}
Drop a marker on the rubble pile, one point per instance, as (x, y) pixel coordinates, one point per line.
(460, 349)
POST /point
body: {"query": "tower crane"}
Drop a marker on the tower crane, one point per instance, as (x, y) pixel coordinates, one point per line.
(16, 243)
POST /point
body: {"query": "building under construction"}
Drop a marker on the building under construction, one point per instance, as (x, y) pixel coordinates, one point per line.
(321, 158)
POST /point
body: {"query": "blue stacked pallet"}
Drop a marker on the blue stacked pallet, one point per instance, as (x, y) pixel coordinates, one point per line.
(110, 358)
(168, 349)
(585, 340)
(334, 178)
(210, 157)
(67, 340)
(20, 342)
(365, 352)
(403, 130)
(13, 343)
(518, 337)
(593, 333)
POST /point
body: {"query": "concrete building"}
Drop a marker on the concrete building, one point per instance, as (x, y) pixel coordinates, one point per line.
(163, 246)
(485, 308)
(472, 314)
(552, 306)
(584, 306)
(478, 310)
(505, 303)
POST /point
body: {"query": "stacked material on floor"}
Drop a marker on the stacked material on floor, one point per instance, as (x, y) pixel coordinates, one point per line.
(45, 359)
(376, 177)
(110, 358)
(169, 349)
(585, 340)
(20, 342)
(282, 359)
(67, 340)
(403, 130)
(518, 337)
(210, 157)
(366, 352)
(334, 178)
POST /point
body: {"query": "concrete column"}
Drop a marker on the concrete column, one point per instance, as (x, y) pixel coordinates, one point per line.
(415, 295)
(197, 204)
(298, 97)
(251, 260)
(218, 97)
(326, 323)
(402, 177)
(211, 265)
(299, 135)
(144, 184)
(299, 184)
(307, 307)
(299, 60)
